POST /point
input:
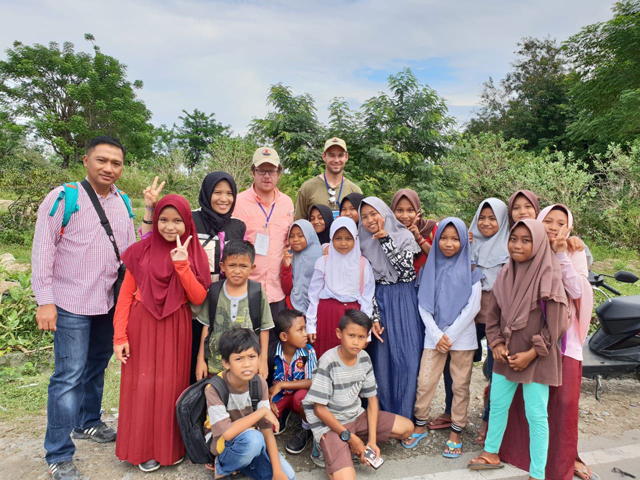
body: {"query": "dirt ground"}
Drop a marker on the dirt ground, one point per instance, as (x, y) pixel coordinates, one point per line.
(22, 453)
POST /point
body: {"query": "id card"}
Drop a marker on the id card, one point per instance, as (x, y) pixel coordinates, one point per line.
(262, 244)
(336, 214)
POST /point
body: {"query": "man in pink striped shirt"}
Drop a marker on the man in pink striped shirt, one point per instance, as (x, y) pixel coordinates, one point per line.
(73, 275)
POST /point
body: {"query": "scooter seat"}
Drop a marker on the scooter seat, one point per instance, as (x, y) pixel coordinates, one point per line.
(620, 315)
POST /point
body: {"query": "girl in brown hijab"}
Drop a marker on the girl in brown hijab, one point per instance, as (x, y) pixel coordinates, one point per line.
(407, 208)
(527, 315)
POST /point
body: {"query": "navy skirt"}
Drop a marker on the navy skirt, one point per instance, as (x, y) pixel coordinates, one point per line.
(396, 361)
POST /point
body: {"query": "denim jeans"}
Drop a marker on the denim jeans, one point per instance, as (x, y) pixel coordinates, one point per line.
(82, 346)
(247, 454)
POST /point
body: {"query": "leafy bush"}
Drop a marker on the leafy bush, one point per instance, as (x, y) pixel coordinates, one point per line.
(18, 327)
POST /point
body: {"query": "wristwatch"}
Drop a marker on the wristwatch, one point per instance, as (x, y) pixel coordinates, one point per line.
(345, 435)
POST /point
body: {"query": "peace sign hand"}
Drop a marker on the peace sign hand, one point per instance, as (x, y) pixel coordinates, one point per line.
(413, 228)
(559, 244)
(152, 193)
(180, 252)
(381, 233)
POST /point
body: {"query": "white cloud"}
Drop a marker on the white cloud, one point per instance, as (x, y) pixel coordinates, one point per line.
(222, 56)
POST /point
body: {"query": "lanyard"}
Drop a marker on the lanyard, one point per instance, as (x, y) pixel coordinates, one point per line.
(328, 187)
(265, 212)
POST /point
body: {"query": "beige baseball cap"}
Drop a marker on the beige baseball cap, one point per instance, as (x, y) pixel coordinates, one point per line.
(266, 155)
(334, 141)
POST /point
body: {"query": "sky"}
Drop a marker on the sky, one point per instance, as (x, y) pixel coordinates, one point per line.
(221, 56)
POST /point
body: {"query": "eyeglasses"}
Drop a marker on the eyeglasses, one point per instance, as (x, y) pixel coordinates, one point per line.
(262, 173)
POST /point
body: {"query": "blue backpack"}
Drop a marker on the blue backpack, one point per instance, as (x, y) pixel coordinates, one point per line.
(70, 197)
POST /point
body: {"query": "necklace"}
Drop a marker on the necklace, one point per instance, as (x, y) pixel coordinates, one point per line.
(332, 191)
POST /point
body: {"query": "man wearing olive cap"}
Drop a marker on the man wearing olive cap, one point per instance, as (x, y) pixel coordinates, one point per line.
(330, 187)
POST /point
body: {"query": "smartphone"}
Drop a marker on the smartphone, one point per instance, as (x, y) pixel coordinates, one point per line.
(371, 457)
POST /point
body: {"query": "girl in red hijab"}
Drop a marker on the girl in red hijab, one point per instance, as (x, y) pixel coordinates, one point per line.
(152, 334)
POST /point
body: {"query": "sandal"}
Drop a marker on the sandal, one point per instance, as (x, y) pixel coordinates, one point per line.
(487, 465)
(416, 439)
(440, 423)
(585, 474)
(449, 450)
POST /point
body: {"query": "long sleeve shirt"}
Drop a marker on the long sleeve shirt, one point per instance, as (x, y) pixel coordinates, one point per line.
(575, 275)
(542, 332)
(318, 291)
(252, 210)
(462, 332)
(194, 293)
(76, 270)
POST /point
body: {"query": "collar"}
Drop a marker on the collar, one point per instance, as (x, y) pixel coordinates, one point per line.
(259, 199)
(300, 352)
(113, 190)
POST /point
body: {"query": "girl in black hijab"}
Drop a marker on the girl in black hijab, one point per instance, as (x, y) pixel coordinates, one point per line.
(321, 217)
(215, 227)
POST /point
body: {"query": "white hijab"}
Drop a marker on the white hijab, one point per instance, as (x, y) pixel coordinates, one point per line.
(342, 272)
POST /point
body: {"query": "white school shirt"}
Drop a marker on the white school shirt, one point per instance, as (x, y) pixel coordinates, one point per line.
(462, 332)
(318, 291)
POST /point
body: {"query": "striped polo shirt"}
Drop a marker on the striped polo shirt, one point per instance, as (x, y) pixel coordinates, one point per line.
(339, 387)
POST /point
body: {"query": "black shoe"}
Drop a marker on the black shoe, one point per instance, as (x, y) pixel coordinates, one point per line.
(283, 423)
(149, 466)
(299, 440)
(100, 433)
(64, 471)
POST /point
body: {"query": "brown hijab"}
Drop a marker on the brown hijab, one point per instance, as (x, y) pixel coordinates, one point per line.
(532, 197)
(424, 226)
(519, 287)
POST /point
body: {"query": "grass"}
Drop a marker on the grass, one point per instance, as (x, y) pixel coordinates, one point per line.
(23, 391)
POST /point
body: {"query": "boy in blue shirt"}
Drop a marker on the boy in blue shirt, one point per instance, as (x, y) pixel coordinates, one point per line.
(292, 361)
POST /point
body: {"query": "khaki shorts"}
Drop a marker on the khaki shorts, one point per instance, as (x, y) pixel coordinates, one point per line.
(336, 452)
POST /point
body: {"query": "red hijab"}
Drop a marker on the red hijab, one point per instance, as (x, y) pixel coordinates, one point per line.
(149, 261)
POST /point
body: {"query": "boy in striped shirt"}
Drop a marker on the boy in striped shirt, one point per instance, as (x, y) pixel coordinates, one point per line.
(242, 440)
(333, 406)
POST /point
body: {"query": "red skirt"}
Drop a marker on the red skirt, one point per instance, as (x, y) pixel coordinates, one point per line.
(153, 378)
(330, 311)
(563, 426)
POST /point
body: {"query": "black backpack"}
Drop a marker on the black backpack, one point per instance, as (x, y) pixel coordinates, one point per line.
(191, 412)
(254, 292)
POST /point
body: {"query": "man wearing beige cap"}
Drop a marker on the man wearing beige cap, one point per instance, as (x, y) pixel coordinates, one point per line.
(330, 187)
(268, 215)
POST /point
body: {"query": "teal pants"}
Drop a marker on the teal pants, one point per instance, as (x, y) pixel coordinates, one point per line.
(536, 398)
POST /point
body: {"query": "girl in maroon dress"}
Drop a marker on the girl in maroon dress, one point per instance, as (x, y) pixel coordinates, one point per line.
(152, 334)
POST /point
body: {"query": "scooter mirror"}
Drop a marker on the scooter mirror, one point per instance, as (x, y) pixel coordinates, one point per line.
(625, 277)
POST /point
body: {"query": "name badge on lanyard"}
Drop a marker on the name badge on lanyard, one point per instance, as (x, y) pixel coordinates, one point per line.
(262, 239)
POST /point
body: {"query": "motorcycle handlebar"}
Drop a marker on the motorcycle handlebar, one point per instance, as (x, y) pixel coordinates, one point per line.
(611, 289)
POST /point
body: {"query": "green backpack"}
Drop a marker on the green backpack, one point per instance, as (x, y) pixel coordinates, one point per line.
(70, 197)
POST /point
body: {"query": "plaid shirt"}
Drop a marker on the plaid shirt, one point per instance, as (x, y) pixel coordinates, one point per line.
(76, 271)
(303, 364)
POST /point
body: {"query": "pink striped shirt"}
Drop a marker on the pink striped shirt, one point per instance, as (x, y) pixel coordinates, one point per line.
(76, 271)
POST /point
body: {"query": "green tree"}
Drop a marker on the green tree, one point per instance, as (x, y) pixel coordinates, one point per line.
(12, 135)
(531, 102)
(292, 128)
(69, 98)
(605, 87)
(197, 132)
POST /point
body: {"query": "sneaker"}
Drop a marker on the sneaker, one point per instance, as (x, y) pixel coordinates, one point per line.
(149, 466)
(283, 423)
(64, 471)
(180, 460)
(100, 433)
(299, 440)
(317, 456)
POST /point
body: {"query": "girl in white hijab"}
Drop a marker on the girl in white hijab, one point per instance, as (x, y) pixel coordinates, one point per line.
(341, 281)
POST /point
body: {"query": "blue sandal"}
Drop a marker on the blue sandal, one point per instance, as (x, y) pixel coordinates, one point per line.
(416, 439)
(451, 446)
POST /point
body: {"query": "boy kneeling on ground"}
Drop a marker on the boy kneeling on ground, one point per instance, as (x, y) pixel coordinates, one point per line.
(344, 374)
(235, 442)
(291, 365)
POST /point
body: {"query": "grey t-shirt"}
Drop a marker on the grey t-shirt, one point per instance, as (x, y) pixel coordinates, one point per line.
(339, 387)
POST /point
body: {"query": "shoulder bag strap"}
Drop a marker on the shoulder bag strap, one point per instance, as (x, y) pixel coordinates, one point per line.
(103, 217)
